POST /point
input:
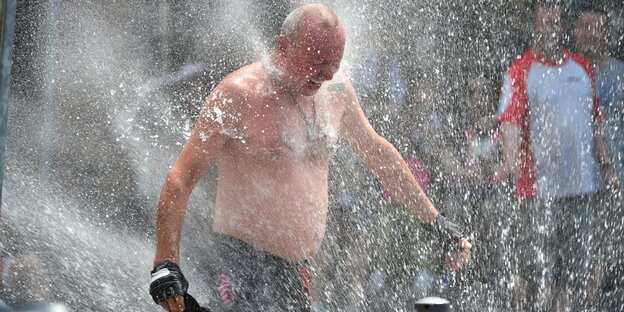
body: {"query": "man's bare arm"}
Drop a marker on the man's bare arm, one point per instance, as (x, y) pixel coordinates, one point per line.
(383, 159)
(390, 168)
(207, 138)
(603, 156)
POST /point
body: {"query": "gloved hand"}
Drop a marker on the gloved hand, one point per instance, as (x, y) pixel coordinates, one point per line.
(167, 282)
(446, 232)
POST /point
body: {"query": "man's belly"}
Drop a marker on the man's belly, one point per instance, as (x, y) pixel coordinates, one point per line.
(293, 240)
(284, 214)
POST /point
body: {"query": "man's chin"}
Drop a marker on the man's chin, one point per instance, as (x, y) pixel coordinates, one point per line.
(309, 89)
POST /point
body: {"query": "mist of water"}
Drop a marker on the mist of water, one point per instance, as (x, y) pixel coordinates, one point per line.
(129, 79)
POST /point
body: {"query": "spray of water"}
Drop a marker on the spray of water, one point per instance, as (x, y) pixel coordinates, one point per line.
(129, 79)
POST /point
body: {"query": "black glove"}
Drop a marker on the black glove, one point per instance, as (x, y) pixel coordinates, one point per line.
(191, 305)
(167, 282)
(446, 232)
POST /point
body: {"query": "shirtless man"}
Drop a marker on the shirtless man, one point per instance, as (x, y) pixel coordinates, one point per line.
(271, 127)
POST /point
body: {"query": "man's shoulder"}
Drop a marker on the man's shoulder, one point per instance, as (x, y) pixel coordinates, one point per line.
(340, 88)
(236, 91)
(617, 65)
(581, 61)
(522, 63)
(244, 81)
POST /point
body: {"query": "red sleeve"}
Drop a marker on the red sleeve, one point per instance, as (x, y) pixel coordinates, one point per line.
(514, 98)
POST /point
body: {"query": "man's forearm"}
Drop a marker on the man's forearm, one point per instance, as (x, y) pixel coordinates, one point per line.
(394, 174)
(169, 221)
(511, 138)
(601, 149)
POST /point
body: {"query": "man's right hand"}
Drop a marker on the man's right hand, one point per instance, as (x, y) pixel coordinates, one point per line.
(460, 258)
(168, 286)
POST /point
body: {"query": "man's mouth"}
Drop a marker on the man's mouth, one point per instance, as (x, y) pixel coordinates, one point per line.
(315, 83)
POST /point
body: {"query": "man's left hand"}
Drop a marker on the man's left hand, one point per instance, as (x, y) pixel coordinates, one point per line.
(459, 258)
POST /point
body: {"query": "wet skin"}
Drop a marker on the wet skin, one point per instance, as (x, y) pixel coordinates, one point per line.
(272, 178)
(272, 189)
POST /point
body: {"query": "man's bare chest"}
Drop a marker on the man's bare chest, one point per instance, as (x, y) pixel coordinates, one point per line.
(277, 130)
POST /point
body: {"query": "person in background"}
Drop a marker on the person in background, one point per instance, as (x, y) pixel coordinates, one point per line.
(467, 153)
(554, 147)
(591, 34)
(471, 194)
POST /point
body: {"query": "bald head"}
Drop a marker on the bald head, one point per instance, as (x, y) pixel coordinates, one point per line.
(316, 15)
(310, 48)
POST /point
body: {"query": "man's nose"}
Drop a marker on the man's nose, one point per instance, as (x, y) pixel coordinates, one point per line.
(327, 72)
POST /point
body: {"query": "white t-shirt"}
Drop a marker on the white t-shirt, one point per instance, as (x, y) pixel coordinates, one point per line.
(555, 105)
